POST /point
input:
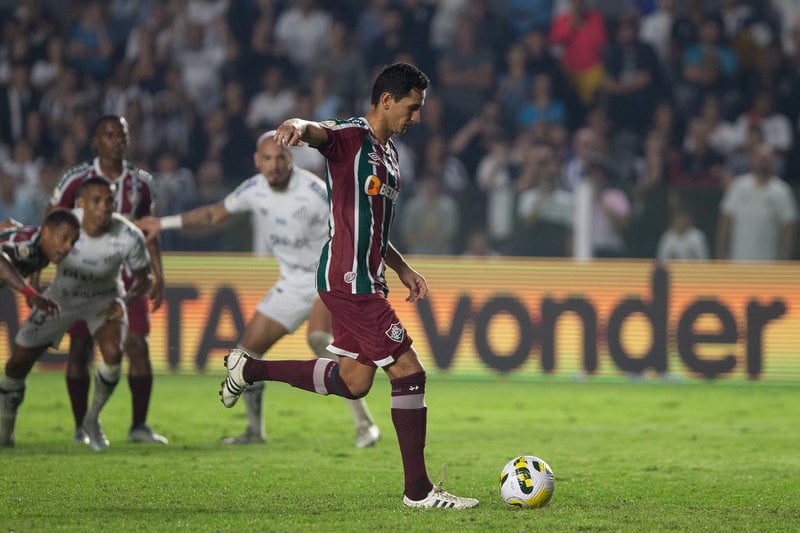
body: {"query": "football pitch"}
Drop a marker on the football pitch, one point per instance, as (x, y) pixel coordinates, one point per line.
(627, 456)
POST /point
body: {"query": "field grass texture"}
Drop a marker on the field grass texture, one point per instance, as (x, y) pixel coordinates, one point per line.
(627, 456)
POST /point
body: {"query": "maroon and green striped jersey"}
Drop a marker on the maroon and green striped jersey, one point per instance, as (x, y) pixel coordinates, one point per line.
(22, 244)
(363, 181)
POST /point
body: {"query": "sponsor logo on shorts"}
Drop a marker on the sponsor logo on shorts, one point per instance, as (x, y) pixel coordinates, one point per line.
(349, 277)
(395, 332)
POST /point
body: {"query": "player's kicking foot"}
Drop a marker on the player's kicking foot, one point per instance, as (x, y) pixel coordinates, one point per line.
(367, 436)
(97, 439)
(248, 437)
(143, 433)
(234, 383)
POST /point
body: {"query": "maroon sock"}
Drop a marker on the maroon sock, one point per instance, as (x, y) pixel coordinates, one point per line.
(78, 389)
(141, 388)
(410, 418)
(317, 375)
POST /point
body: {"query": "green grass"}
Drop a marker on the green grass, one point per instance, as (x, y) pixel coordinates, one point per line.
(645, 456)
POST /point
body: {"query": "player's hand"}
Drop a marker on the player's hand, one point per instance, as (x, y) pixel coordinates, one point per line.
(51, 307)
(416, 284)
(113, 311)
(151, 226)
(156, 292)
(289, 134)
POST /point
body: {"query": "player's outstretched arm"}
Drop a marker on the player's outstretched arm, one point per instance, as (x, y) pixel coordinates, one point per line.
(12, 276)
(297, 132)
(413, 280)
(201, 217)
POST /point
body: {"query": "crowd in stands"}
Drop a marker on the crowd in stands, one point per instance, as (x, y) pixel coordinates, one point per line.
(658, 105)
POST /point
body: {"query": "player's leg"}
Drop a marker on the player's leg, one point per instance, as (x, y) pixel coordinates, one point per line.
(319, 337)
(140, 372)
(410, 419)
(109, 337)
(81, 348)
(12, 388)
(39, 331)
(260, 334)
(321, 376)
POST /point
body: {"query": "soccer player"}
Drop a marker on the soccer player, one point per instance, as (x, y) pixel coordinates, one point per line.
(363, 181)
(28, 249)
(133, 198)
(289, 206)
(87, 286)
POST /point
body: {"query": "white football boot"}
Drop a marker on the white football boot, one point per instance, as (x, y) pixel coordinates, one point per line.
(234, 383)
(439, 499)
(367, 436)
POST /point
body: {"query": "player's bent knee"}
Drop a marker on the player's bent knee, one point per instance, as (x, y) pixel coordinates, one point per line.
(318, 341)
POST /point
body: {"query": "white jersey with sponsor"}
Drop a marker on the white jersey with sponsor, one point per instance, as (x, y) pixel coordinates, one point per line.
(92, 270)
(291, 224)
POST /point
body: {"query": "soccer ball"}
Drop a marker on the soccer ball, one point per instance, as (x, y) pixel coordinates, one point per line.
(527, 482)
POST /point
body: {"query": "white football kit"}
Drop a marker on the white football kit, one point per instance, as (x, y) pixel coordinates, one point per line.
(292, 225)
(86, 281)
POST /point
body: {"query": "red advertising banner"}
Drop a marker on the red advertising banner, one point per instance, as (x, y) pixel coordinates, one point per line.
(512, 315)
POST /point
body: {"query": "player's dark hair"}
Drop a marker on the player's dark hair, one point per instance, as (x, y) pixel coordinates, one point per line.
(94, 180)
(398, 79)
(61, 215)
(106, 118)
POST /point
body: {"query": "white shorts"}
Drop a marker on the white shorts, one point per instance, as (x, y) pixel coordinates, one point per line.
(287, 306)
(42, 329)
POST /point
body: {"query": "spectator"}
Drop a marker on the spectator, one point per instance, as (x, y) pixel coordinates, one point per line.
(495, 182)
(544, 212)
(527, 15)
(655, 29)
(89, 47)
(650, 194)
(682, 241)
(346, 69)
(303, 31)
(700, 163)
(775, 126)
(541, 105)
(466, 74)
(576, 167)
(17, 99)
(758, 214)
(274, 103)
(611, 212)
(514, 82)
(707, 66)
(580, 36)
(479, 245)
(430, 220)
(14, 203)
(200, 60)
(632, 79)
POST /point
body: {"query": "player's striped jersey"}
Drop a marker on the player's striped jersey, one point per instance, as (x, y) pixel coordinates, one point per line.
(92, 269)
(291, 224)
(133, 190)
(22, 245)
(363, 179)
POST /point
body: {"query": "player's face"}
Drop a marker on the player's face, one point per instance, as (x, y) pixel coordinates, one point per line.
(57, 241)
(97, 203)
(111, 139)
(275, 163)
(404, 113)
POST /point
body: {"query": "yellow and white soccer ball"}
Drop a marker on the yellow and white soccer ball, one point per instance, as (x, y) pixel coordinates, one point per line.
(527, 482)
